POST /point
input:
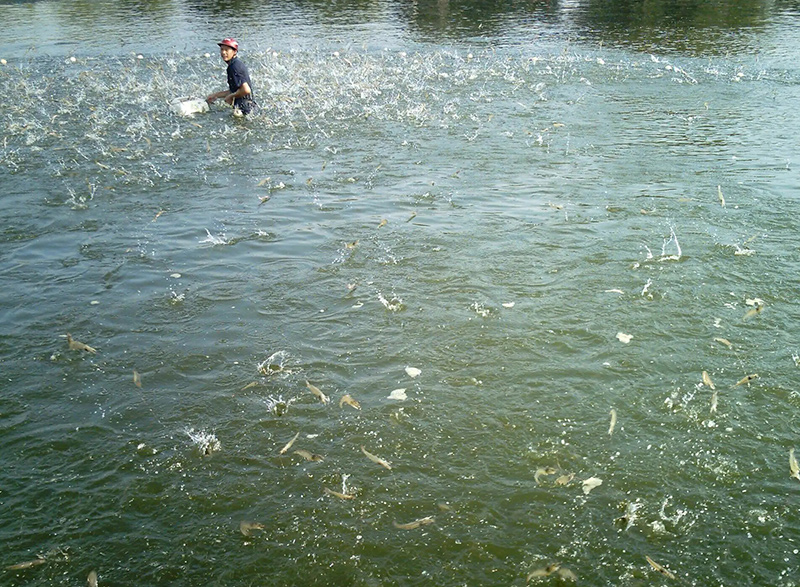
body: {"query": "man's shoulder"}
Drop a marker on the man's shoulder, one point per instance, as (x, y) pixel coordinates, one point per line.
(236, 64)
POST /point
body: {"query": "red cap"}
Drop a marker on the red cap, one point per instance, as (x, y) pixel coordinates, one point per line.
(228, 42)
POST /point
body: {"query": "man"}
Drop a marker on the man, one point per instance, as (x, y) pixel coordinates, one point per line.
(240, 95)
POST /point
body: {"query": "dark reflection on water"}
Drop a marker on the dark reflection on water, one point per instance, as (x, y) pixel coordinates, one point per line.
(687, 26)
(318, 10)
(679, 25)
(475, 18)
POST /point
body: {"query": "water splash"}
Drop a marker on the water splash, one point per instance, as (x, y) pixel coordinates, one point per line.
(276, 364)
(214, 240)
(673, 238)
(480, 309)
(206, 442)
(395, 304)
(277, 405)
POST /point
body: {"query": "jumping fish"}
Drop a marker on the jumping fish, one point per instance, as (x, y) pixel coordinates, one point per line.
(613, 413)
(565, 479)
(79, 346)
(794, 468)
(659, 568)
(541, 471)
(713, 409)
(752, 312)
(309, 456)
(724, 341)
(545, 571)
(317, 392)
(374, 459)
(27, 564)
(91, 580)
(351, 245)
(245, 527)
(337, 494)
(566, 574)
(137, 379)
(747, 379)
(707, 380)
(629, 517)
(415, 524)
(720, 196)
(348, 399)
(289, 444)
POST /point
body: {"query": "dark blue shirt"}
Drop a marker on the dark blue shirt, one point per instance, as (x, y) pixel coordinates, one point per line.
(237, 75)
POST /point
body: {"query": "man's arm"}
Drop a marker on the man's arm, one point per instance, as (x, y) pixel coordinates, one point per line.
(217, 95)
(241, 92)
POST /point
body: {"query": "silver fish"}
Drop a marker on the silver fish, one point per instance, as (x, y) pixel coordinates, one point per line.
(415, 524)
(536, 574)
(289, 444)
(376, 460)
(720, 196)
(752, 312)
(317, 392)
(137, 379)
(565, 479)
(27, 564)
(246, 527)
(794, 468)
(348, 399)
(79, 346)
(337, 494)
(541, 471)
(713, 409)
(613, 413)
(545, 571)
(659, 568)
(747, 379)
(566, 574)
(629, 517)
(309, 456)
(724, 341)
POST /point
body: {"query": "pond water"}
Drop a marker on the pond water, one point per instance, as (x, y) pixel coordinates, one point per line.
(542, 221)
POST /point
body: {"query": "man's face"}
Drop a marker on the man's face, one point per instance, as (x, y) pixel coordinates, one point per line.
(226, 52)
